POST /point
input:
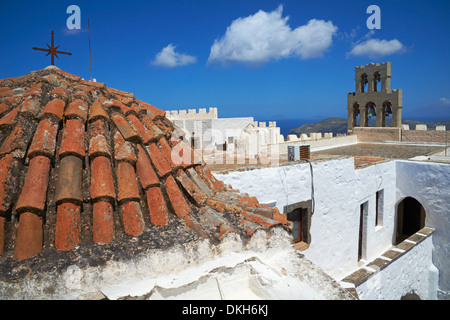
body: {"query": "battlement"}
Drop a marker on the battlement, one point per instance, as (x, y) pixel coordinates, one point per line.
(423, 127)
(312, 136)
(258, 124)
(192, 114)
(383, 64)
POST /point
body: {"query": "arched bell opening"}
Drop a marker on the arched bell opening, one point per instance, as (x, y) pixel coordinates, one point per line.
(364, 82)
(376, 80)
(387, 112)
(371, 111)
(356, 114)
(410, 218)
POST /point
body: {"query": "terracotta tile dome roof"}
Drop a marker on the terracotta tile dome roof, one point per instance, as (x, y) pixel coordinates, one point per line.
(84, 164)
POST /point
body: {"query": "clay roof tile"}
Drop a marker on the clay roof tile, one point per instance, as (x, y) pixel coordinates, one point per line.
(127, 183)
(96, 111)
(146, 173)
(77, 108)
(162, 166)
(44, 140)
(54, 107)
(125, 128)
(102, 184)
(10, 118)
(69, 182)
(73, 138)
(67, 231)
(157, 206)
(132, 218)
(34, 191)
(102, 222)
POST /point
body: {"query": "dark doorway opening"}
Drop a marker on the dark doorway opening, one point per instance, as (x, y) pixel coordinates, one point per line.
(296, 217)
(363, 211)
(410, 218)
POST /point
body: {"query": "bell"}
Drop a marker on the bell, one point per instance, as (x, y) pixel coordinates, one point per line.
(387, 111)
(372, 113)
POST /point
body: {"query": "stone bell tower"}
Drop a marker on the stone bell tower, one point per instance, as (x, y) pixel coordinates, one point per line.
(373, 97)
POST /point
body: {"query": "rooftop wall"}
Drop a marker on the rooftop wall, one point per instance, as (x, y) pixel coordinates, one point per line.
(420, 134)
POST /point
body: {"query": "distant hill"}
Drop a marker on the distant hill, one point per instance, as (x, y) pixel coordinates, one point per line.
(339, 125)
(334, 125)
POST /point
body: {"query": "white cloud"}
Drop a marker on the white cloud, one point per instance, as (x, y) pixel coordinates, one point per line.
(445, 101)
(264, 36)
(168, 58)
(376, 48)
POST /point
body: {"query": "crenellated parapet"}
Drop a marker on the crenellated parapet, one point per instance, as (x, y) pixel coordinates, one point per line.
(263, 124)
(192, 114)
(312, 136)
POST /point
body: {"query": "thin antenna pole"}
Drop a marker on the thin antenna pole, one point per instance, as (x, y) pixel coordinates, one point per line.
(90, 59)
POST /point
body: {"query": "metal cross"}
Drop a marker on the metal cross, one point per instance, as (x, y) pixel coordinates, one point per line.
(52, 50)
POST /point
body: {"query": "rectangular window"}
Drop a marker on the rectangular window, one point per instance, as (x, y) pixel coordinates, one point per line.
(379, 208)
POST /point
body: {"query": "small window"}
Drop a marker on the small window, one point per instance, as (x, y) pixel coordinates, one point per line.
(379, 208)
(230, 140)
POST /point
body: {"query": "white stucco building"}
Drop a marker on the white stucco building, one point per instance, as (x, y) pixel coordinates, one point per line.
(205, 130)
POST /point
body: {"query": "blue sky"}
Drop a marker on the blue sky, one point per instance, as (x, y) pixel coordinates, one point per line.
(268, 59)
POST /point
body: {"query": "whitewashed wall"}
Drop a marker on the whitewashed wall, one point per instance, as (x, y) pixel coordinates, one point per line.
(339, 190)
(429, 183)
(369, 181)
(412, 272)
(335, 221)
(286, 184)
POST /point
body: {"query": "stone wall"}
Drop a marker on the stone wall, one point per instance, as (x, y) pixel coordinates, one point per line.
(366, 134)
(424, 136)
(420, 134)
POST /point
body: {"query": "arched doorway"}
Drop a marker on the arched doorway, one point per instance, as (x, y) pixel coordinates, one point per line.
(410, 218)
